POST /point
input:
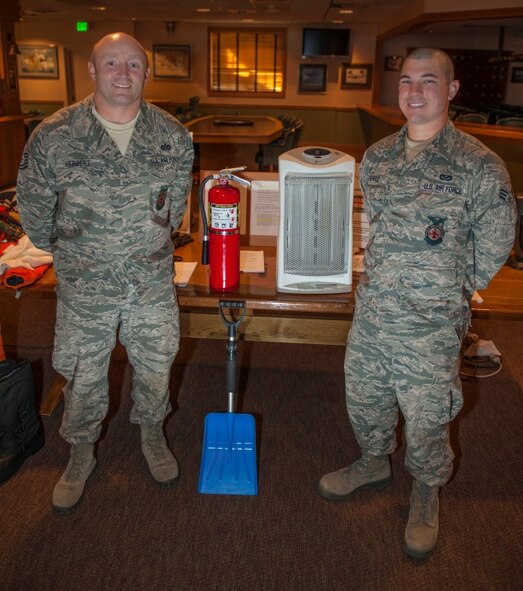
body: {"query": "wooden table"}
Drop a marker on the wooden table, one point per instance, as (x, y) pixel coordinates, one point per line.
(286, 317)
(273, 316)
(306, 318)
(227, 141)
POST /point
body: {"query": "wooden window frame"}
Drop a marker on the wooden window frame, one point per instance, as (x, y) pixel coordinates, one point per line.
(252, 30)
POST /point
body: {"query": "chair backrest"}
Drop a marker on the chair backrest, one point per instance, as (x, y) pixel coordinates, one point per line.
(284, 142)
(286, 120)
(32, 124)
(471, 118)
(296, 133)
(511, 121)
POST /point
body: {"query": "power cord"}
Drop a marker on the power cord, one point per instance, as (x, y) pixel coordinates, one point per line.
(479, 358)
(480, 367)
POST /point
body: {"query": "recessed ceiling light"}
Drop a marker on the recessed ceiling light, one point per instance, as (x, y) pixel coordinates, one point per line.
(203, 10)
(337, 22)
(100, 8)
(346, 11)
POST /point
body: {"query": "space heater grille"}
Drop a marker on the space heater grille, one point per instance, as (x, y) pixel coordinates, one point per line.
(316, 212)
(314, 250)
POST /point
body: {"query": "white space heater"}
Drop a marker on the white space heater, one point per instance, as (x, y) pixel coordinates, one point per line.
(314, 253)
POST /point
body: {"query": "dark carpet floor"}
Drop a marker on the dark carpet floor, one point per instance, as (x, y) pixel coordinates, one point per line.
(129, 534)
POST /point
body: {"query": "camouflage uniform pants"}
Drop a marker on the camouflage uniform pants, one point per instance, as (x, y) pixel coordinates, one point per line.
(85, 335)
(412, 369)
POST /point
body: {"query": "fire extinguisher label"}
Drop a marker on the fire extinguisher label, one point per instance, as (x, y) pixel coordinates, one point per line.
(225, 217)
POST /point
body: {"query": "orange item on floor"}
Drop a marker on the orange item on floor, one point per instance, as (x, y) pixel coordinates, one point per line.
(17, 277)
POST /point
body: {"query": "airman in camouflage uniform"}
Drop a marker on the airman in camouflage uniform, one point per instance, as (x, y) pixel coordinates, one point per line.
(107, 217)
(441, 225)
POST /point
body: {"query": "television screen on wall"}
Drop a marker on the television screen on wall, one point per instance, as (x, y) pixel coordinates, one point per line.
(325, 42)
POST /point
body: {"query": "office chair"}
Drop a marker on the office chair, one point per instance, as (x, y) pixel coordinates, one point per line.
(189, 111)
(471, 118)
(269, 154)
(31, 125)
(510, 121)
(286, 120)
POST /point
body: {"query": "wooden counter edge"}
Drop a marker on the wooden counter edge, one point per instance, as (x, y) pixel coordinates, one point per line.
(393, 116)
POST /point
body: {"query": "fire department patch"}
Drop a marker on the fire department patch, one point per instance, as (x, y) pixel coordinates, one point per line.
(160, 200)
(435, 231)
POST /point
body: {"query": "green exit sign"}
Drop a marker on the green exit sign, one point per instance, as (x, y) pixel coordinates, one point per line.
(82, 26)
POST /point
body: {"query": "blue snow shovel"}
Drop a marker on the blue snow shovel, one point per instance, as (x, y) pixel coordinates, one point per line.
(229, 439)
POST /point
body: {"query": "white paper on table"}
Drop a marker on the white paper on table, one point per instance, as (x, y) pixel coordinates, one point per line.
(252, 261)
(183, 272)
(265, 208)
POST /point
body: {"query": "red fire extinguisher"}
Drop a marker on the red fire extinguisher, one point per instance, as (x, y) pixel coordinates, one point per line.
(221, 230)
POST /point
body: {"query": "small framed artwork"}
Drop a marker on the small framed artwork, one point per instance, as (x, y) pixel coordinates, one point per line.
(37, 61)
(313, 78)
(356, 76)
(393, 63)
(172, 61)
(517, 75)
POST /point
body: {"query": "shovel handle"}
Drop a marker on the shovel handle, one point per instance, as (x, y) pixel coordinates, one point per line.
(229, 323)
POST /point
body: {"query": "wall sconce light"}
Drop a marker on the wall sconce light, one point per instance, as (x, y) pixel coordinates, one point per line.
(170, 26)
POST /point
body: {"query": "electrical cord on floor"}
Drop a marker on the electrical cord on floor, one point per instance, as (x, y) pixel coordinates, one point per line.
(480, 367)
(479, 358)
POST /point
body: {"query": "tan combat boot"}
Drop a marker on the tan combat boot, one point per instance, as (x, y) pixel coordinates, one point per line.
(421, 534)
(162, 463)
(69, 489)
(369, 472)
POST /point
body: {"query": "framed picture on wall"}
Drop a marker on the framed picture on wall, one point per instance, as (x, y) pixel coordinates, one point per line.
(517, 75)
(393, 63)
(172, 61)
(313, 78)
(37, 61)
(356, 76)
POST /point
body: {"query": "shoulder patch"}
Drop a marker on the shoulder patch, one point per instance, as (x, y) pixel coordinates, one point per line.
(435, 231)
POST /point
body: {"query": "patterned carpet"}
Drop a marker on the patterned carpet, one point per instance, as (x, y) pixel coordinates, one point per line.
(130, 534)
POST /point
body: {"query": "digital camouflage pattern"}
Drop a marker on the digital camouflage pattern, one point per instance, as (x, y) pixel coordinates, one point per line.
(107, 219)
(441, 226)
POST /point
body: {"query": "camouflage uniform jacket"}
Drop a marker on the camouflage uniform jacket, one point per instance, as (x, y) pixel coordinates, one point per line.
(441, 226)
(106, 217)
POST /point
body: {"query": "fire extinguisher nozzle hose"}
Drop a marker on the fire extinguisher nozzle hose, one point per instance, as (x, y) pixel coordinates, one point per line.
(205, 250)
(205, 244)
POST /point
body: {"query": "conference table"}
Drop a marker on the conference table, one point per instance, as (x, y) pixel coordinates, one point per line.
(227, 141)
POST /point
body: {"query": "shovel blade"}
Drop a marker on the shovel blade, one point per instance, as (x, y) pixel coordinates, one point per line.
(229, 455)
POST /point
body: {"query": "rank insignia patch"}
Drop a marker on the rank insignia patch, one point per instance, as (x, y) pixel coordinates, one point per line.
(25, 161)
(160, 200)
(435, 231)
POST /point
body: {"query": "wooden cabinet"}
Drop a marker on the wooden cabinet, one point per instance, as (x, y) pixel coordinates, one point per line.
(12, 141)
